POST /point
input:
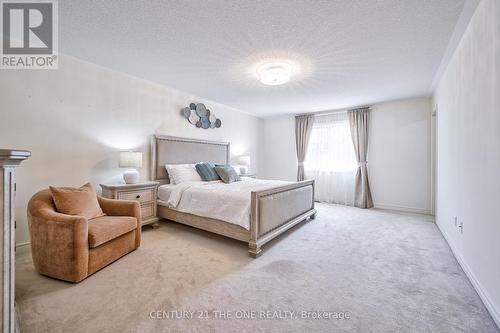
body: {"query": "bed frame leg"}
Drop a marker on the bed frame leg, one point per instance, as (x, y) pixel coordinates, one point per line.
(253, 250)
(313, 216)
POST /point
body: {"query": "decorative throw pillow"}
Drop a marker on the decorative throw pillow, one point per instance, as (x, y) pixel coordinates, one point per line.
(181, 173)
(207, 172)
(77, 201)
(227, 173)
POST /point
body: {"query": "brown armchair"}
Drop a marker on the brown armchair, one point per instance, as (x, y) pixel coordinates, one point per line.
(70, 247)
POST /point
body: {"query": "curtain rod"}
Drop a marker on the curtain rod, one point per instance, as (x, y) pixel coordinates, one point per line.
(326, 113)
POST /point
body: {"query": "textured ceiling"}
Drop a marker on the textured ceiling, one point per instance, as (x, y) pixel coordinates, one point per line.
(350, 52)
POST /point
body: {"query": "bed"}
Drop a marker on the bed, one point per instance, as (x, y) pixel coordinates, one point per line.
(273, 207)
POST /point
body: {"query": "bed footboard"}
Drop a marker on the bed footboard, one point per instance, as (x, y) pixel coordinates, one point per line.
(276, 210)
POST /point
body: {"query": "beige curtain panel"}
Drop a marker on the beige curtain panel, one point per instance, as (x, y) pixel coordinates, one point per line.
(303, 128)
(359, 120)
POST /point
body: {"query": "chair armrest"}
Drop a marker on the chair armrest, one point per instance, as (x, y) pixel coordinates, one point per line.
(48, 214)
(131, 208)
(115, 207)
(59, 244)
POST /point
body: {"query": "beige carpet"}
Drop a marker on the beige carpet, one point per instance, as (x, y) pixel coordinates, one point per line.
(386, 272)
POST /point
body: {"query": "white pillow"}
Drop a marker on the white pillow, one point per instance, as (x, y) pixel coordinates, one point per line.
(168, 167)
(179, 173)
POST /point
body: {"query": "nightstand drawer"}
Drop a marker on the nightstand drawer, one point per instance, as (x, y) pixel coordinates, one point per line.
(147, 211)
(144, 193)
(140, 195)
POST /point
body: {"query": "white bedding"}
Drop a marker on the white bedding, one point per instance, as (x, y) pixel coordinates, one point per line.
(226, 202)
(164, 192)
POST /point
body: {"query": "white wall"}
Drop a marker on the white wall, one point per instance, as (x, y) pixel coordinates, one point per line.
(76, 119)
(280, 157)
(399, 153)
(468, 153)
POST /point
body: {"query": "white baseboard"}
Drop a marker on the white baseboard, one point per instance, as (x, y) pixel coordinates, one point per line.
(495, 314)
(404, 209)
(22, 244)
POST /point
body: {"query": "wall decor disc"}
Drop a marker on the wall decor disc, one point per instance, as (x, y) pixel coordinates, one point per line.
(205, 123)
(186, 112)
(193, 118)
(201, 117)
(201, 110)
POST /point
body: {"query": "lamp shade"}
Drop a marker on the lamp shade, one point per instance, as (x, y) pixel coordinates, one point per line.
(130, 159)
(244, 160)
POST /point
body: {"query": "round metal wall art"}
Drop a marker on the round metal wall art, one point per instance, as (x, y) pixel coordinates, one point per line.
(193, 118)
(186, 112)
(200, 116)
(205, 123)
(201, 110)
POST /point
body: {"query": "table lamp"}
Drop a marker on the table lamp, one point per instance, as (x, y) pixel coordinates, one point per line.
(131, 160)
(245, 162)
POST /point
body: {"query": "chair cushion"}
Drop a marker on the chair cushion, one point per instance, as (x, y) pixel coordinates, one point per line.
(106, 228)
(77, 201)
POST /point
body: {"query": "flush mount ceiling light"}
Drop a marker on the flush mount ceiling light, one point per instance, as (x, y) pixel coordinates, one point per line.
(274, 73)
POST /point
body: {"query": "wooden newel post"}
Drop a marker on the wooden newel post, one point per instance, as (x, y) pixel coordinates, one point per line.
(9, 160)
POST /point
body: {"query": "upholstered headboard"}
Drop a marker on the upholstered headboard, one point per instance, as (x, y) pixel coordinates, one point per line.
(174, 150)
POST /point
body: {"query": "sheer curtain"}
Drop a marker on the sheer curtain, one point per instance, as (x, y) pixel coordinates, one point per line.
(331, 159)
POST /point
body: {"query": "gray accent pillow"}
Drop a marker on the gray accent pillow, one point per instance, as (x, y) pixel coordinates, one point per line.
(206, 171)
(227, 173)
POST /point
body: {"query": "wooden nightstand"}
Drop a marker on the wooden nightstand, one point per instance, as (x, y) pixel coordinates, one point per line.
(144, 192)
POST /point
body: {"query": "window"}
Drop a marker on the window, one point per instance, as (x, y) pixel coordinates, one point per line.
(331, 160)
